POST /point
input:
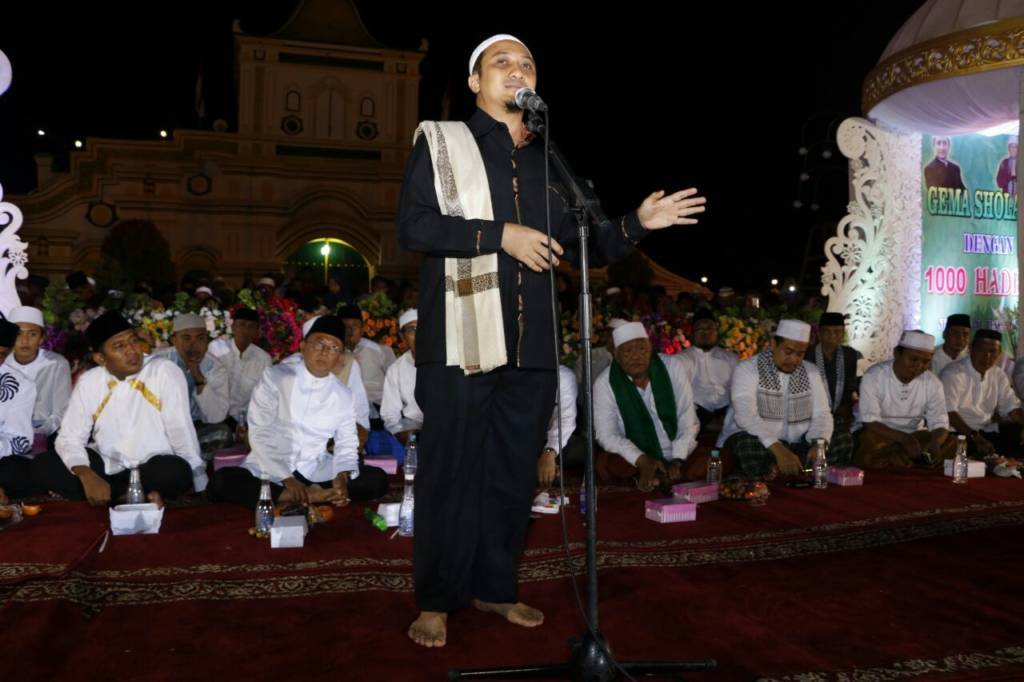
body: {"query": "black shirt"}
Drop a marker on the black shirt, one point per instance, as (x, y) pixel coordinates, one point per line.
(422, 228)
(848, 356)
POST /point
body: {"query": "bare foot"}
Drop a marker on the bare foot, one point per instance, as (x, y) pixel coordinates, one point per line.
(518, 613)
(156, 499)
(430, 629)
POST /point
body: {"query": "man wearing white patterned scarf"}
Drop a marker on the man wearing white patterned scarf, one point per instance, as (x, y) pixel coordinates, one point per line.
(473, 204)
(779, 408)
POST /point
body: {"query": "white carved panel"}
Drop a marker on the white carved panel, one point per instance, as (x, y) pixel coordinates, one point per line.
(873, 264)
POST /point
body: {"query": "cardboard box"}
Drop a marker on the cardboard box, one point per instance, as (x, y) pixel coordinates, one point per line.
(670, 510)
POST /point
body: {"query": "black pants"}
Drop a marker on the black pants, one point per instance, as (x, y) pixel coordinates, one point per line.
(1006, 441)
(169, 475)
(16, 476)
(237, 485)
(475, 481)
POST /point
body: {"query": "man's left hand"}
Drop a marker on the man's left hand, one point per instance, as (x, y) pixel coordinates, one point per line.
(659, 211)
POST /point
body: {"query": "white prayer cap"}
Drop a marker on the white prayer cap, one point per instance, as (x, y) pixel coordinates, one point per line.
(917, 340)
(91, 281)
(794, 330)
(308, 324)
(265, 281)
(629, 332)
(611, 291)
(205, 290)
(487, 43)
(616, 322)
(24, 313)
(408, 316)
(188, 321)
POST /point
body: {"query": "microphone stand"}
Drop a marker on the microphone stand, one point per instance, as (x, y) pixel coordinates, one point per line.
(591, 659)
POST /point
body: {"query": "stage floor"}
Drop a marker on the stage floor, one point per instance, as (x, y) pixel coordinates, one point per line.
(907, 577)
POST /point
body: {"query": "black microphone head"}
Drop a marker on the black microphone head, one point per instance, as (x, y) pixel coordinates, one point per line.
(522, 95)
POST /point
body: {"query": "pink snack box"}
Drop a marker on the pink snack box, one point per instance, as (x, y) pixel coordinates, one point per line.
(696, 491)
(388, 464)
(845, 476)
(670, 510)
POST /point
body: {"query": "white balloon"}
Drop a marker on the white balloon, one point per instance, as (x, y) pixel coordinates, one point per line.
(5, 73)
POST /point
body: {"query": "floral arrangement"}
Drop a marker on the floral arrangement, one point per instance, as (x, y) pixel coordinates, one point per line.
(669, 335)
(380, 321)
(156, 324)
(65, 316)
(280, 322)
(743, 336)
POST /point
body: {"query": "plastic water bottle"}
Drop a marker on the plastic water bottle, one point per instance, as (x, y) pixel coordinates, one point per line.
(714, 469)
(406, 511)
(135, 495)
(960, 463)
(820, 464)
(265, 507)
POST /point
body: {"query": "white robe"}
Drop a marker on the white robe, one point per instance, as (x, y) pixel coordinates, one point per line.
(909, 408)
(17, 399)
(292, 415)
(398, 408)
(128, 422)
(743, 414)
(610, 430)
(51, 374)
(244, 371)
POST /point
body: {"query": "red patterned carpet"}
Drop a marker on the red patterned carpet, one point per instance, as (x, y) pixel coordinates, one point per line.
(909, 577)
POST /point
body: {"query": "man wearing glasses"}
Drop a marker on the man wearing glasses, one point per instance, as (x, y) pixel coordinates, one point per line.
(295, 410)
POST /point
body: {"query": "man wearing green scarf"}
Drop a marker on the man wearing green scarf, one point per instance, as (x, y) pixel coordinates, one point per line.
(644, 416)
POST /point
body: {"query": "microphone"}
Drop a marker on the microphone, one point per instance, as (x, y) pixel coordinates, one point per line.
(527, 99)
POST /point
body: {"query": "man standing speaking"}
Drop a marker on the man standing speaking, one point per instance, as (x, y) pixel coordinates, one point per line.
(473, 203)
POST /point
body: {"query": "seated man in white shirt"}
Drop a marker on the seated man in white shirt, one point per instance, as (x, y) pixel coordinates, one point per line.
(955, 338)
(567, 393)
(903, 409)
(980, 401)
(779, 408)
(347, 371)
(296, 409)
(124, 413)
(374, 358)
(17, 398)
(243, 359)
(644, 415)
(711, 369)
(399, 411)
(208, 383)
(50, 372)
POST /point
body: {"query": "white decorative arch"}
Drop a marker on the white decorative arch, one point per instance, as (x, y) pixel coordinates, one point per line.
(13, 256)
(873, 264)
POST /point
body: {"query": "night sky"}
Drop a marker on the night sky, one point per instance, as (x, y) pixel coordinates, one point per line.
(642, 97)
